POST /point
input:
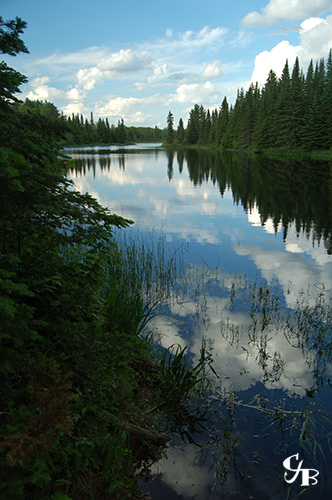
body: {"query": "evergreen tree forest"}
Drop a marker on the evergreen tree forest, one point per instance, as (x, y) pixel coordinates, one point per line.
(80, 131)
(293, 111)
(74, 130)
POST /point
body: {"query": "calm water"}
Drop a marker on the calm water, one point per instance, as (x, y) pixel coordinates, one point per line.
(254, 237)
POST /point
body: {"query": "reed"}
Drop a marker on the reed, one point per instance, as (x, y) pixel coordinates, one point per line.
(164, 277)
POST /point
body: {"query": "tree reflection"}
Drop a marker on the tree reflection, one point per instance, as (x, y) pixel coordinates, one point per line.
(284, 191)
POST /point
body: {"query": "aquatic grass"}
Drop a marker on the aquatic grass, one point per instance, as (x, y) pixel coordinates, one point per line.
(126, 311)
(161, 272)
(183, 389)
(146, 266)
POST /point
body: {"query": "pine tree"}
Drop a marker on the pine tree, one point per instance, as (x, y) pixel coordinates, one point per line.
(283, 136)
(223, 118)
(208, 125)
(193, 128)
(265, 126)
(231, 138)
(180, 132)
(297, 104)
(120, 132)
(327, 105)
(170, 128)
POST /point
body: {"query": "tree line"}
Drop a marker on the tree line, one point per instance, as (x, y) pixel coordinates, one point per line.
(78, 131)
(292, 111)
(81, 131)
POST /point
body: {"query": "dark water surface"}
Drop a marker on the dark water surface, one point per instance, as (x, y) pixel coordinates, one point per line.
(254, 238)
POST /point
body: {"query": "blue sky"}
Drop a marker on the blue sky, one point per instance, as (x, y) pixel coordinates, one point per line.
(137, 60)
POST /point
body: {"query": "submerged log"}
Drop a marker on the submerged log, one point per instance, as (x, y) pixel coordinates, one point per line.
(153, 436)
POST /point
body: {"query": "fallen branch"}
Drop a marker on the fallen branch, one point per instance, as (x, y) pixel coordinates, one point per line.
(153, 436)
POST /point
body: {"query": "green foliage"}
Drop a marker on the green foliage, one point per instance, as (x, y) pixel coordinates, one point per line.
(69, 327)
(10, 41)
(12, 44)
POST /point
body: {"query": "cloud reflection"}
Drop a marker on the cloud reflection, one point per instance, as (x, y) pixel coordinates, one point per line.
(196, 212)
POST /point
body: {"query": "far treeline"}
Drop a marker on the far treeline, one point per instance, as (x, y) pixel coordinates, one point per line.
(74, 130)
(293, 111)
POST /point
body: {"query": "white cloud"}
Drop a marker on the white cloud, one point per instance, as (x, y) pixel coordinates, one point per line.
(285, 10)
(66, 63)
(139, 117)
(39, 81)
(126, 60)
(41, 91)
(44, 93)
(187, 41)
(309, 24)
(88, 77)
(204, 37)
(117, 64)
(315, 43)
(119, 106)
(128, 108)
(160, 71)
(195, 93)
(212, 70)
(77, 108)
(274, 59)
(75, 94)
(316, 38)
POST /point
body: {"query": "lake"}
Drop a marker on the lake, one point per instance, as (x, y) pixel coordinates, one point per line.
(249, 242)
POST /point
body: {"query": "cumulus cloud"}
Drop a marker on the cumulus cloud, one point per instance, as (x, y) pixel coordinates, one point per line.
(309, 24)
(316, 38)
(126, 60)
(195, 92)
(119, 106)
(39, 81)
(315, 43)
(284, 10)
(88, 77)
(139, 117)
(129, 108)
(43, 92)
(274, 59)
(75, 94)
(77, 108)
(117, 64)
(212, 70)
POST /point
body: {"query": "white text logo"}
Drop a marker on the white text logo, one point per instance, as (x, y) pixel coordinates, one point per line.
(307, 474)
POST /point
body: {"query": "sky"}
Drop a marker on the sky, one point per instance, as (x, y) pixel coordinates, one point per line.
(138, 60)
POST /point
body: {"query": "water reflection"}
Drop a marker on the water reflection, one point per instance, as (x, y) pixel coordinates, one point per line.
(279, 193)
(247, 222)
